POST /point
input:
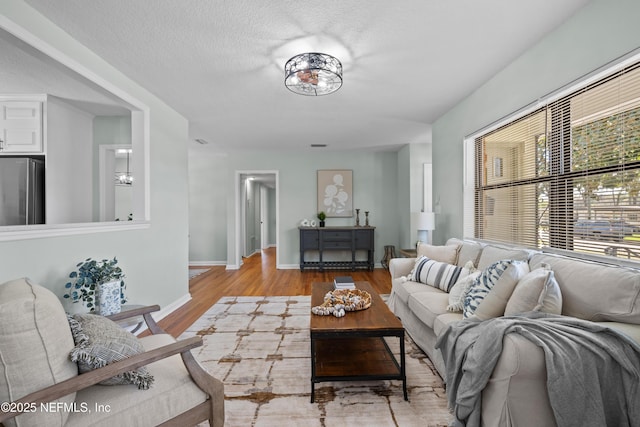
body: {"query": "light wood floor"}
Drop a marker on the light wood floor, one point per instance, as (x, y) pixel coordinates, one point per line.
(258, 276)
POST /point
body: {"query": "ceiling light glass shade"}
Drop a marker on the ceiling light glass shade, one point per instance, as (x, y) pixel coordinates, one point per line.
(313, 74)
(124, 179)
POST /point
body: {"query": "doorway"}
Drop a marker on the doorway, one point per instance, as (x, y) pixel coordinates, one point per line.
(115, 196)
(257, 213)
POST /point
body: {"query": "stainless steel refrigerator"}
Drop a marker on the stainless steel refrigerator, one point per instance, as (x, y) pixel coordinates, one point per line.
(21, 191)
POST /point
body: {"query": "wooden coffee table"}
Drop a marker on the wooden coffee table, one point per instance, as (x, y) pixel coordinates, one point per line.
(353, 348)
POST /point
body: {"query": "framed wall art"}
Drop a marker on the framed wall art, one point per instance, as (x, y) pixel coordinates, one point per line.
(335, 193)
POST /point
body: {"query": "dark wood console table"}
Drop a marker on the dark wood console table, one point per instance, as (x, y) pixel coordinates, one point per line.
(324, 239)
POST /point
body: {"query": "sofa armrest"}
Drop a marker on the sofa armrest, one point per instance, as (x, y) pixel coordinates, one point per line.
(88, 379)
(401, 266)
(516, 394)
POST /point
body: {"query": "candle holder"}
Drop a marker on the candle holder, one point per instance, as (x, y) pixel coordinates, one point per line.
(357, 217)
(366, 214)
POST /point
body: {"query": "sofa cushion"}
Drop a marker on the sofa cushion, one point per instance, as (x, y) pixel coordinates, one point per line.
(403, 288)
(469, 251)
(505, 272)
(537, 291)
(173, 392)
(492, 253)
(99, 342)
(443, 320)
(459, 290)
(428, 305)
(437, 274)
(35, 341)
(448, 253)
(595, 291)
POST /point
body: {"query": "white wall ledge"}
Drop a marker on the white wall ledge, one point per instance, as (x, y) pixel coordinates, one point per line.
(24, 232)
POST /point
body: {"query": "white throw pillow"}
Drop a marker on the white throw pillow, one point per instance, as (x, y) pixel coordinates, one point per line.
(448, 253)
(494, 303)
(537, 291)
(437, 274)
(509, 271)
(459, 290)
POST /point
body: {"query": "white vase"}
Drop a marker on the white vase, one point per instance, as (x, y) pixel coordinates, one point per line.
(108, 298)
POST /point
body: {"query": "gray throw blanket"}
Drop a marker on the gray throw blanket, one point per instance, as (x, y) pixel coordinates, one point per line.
(593, 372)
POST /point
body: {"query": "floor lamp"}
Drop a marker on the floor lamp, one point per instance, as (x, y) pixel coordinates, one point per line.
(425, 221)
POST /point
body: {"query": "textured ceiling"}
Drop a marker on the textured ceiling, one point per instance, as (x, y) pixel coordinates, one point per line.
(25, 70)
(220, 63)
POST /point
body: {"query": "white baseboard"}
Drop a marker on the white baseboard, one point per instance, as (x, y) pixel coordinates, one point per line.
(206, 263)
(167, 310)
(213, 264)
(288, 266)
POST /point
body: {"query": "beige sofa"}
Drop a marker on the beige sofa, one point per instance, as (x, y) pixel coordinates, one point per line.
(516, 392)
(38, 378)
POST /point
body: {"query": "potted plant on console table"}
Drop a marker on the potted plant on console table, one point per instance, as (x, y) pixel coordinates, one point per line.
(99, 285)
(322, 216)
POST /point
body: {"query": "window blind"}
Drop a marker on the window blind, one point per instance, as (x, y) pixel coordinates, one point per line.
(568, 174)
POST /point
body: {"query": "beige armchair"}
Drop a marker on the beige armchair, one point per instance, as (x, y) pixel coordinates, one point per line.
(40, 386)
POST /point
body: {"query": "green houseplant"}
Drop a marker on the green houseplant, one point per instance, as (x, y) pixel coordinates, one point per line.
(99, 285)
(322, 216)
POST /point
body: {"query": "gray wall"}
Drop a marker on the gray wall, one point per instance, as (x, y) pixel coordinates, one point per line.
(599, 33)
(252, 213)
(209, 183)
(271, 196)
(155, 260)
(375, 187)
(410, 161)
(69, 163)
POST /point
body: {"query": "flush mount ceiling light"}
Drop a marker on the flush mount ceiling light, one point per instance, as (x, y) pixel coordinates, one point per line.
(313, 74)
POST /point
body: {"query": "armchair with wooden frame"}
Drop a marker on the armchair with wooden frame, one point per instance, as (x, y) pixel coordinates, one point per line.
(40, 386)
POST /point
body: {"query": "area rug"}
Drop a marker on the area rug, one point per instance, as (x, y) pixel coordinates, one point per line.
(193, 272)
(259, 347)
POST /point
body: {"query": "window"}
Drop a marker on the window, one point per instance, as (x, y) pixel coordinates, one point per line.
(566, 175)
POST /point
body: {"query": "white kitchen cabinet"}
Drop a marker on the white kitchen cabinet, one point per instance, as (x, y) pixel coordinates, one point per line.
(21, 127)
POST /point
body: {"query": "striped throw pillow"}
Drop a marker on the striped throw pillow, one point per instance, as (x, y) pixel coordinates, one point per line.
(437, 274)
